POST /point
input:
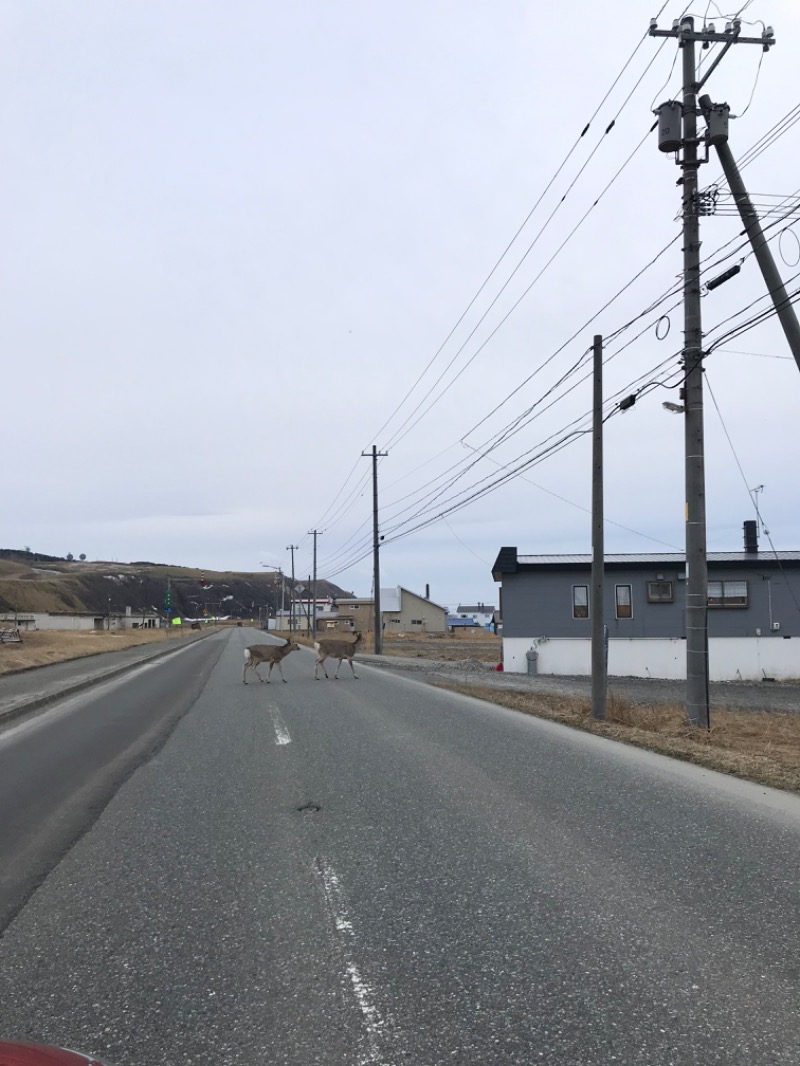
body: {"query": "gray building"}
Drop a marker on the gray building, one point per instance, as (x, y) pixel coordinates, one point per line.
(753, 613)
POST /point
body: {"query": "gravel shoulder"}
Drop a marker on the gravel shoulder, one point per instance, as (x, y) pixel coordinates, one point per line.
(738, 695)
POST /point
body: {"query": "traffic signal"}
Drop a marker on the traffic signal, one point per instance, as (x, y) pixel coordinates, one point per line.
(202, 579)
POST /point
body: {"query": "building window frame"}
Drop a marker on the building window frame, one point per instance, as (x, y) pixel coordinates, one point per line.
(660, 591)
(730, 593)
(580, 602)
(623, 601)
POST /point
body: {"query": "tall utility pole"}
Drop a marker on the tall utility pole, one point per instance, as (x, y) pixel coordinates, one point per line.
(597, 599)
(376, 566)
(291, 548)
(672, 140)
(314, 533)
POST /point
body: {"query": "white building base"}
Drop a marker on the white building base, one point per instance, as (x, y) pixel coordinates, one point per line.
(729, 658)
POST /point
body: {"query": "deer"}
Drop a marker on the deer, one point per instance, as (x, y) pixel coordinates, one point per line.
(266, 653)
(335, 648)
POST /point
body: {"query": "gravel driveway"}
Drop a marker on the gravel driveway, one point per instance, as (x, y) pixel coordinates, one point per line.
(736, 695)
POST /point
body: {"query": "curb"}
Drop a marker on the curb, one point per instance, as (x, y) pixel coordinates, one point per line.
(26, 706)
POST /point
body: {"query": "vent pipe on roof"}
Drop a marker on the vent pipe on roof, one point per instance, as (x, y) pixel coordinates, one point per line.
(751, 537)
(427, 592)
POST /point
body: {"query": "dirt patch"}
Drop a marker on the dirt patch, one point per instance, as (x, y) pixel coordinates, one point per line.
(476, 645)
(42, 647)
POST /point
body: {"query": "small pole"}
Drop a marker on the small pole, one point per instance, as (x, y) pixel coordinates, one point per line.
(291, 548)
(315, 534)
(376, 566)
(599, 662)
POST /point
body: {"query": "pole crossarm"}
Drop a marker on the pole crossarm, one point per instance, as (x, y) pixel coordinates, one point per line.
(729, 36)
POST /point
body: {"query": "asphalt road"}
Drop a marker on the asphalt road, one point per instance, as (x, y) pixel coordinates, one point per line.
(379, 872)
(58, 770)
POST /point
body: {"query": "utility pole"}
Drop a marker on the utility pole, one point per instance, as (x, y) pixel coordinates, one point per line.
(291, 548)
(672, 139)
(376, 566)
(597, 599)
(315, 534)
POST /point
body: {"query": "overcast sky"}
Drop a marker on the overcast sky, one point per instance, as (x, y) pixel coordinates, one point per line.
(242, 242)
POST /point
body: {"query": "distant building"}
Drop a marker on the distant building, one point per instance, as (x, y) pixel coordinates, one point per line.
(480, 614)
(130, 618)
(402, 611)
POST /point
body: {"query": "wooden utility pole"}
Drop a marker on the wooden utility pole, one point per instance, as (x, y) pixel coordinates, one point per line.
(677, 132)
(376, 565)
(597, 599)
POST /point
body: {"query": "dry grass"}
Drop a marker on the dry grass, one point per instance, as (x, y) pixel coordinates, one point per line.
(42, 647)
(761, 746)
(464, 644)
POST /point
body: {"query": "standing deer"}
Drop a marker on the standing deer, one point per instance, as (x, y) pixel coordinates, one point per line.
(266, 653)
(335, 648)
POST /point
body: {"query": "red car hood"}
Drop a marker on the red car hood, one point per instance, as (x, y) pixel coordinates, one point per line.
(14, 1054)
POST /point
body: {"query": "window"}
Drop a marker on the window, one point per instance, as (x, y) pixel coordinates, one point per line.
(355, 606)
(623, 597)
(727, 594)
(580, 601)
(660, 592)
(416, 621)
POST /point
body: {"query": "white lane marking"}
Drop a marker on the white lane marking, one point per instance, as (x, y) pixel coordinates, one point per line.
(61, 708)
(281, 732)
(364, 994)
(69, 704)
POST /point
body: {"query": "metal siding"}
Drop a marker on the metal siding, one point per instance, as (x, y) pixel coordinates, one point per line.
(539, 603)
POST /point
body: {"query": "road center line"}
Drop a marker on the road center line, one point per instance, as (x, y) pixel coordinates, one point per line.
(281, 732)
(364, 994)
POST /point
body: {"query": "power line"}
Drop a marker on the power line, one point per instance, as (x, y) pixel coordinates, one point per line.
(524, 223)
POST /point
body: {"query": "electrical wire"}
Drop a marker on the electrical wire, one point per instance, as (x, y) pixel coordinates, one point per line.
(525, 221)
(400, 436)
(647, 382)
(513, 240)
(570, 433)
(740, 327)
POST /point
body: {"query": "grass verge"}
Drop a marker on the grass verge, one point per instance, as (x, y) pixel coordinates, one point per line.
(42, 647)
(761, 746)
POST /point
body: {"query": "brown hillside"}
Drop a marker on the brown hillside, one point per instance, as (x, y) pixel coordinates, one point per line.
(29, 584)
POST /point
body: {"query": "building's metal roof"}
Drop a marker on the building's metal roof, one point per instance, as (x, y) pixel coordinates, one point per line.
(661, 558)
(391, 599)
(478, 608)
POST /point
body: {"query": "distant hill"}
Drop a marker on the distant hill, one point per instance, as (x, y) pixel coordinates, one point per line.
(30, 581)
